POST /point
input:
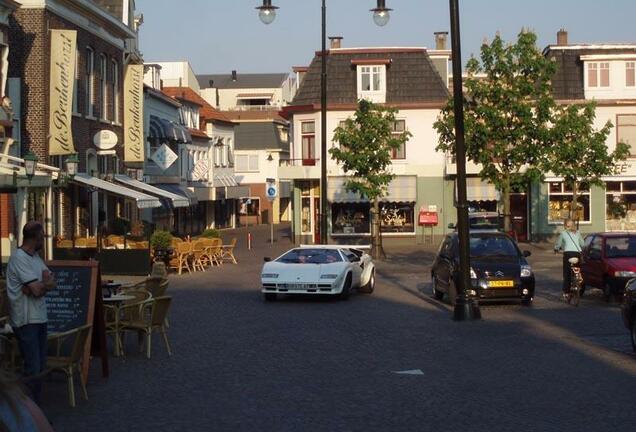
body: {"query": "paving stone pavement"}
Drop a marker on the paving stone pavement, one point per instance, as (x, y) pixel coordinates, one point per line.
(317, 364)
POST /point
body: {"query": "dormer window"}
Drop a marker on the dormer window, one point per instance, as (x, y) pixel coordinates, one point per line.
(372, 82)
(598, 74)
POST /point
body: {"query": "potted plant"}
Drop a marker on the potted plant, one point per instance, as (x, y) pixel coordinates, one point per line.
(211, 233)
(161, 243)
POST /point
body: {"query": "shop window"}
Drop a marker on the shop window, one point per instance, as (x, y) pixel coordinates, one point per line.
(626, 131)
(397, 217)
(250, 206)
(350, 218)
(620, 206)
(305, 216)
(559, 201)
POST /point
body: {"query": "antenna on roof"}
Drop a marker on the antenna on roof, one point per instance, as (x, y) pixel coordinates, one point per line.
(233, 75)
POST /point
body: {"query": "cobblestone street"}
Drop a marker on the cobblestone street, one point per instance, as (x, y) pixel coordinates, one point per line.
(327, 365)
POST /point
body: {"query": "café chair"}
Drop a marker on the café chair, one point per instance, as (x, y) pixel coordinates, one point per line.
(181, 257)
(65, 244)
(199, 257)
(81, 242)
(227, 252)
(69, 363)
(147, 323)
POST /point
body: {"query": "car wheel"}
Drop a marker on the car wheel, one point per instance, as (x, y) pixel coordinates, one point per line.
(452, 293)
(439, 295)
(527, 301)
(270, 297)
(369, 286)
(346, 288)
(633, 332)
(608, 292)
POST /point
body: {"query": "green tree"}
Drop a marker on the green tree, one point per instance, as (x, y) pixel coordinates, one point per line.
(507, 108)
(365, 144)
(579, 152)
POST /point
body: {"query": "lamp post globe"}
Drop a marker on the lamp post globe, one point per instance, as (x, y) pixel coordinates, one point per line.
(72, 164)
(381, 14)
(267, 12)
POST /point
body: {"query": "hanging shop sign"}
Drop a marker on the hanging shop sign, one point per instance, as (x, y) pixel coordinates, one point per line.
(134, 114)
(164, 157)
(105, 139)
(63, 53)
(201, 171)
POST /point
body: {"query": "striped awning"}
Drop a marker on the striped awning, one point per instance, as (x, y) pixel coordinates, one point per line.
(163, 130)
(401, 189)
(179, 190)
(176, 200)
(143, 200)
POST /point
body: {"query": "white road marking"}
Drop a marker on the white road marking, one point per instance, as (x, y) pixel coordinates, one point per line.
(409, 372)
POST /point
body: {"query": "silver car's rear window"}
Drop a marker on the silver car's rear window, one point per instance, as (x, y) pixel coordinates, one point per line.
(310, 256)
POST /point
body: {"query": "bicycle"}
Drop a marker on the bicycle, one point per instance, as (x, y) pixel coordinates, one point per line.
(576, 282)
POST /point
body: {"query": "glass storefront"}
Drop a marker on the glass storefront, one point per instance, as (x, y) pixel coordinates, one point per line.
(620, 206)
(350, 218)
(397, 217)
(560, 199)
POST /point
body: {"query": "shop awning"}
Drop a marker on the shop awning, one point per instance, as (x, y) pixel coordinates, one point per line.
(235, 192)
(225, 180)
(143, 200)
(179, 190)
(176, 200)
(479, 190)
(401, 189)
(162, 130)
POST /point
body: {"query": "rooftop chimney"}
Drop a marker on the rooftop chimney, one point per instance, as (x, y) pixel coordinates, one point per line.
(336, 42)
(562, 37)
(211, 83)
(234, 75)
(440, 40)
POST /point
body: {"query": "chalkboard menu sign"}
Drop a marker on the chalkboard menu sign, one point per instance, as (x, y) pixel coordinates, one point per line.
(68, 305)
(74, 303)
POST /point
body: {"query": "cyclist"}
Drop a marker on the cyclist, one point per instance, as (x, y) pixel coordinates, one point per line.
(571, 242)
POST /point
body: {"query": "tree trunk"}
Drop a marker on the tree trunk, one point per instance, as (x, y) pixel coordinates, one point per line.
(375, 230)
(574, 204)
(505, 196)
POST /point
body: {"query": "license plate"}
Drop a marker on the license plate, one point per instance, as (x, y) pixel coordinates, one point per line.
(293, 286)
(501, 284)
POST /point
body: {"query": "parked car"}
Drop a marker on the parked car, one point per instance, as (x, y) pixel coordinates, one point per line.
(483, 221)
(499, 270)
(628, 309)
(330, 270)
(609, 261)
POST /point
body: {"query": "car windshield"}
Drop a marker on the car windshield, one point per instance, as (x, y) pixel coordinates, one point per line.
(310, 256)
(620, 247)
(483, 246)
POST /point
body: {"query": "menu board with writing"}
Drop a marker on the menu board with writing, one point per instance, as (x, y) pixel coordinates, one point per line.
(73, 303)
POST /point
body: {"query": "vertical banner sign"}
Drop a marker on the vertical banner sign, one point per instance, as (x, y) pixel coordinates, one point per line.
(134, 114)
(62, 79)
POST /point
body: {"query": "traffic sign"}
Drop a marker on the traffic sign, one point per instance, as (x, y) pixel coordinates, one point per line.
(271, 190)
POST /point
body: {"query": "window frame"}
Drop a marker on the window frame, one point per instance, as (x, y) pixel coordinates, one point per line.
(630, 74)
(114, 64)
(563, 193)
(395, 152)
(632, 152)
(103, 87)
(89, 75)
(310, 139)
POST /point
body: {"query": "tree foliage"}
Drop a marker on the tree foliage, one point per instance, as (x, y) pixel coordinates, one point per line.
(579, 152)
(365, 144)
(507, 109)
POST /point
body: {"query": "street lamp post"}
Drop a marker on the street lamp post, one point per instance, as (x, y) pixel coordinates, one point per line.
(465, 307)
(267, 14)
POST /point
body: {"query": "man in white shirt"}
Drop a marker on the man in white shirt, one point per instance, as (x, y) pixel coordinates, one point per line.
(28, 280)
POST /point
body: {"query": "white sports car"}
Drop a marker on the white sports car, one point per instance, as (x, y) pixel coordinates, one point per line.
(328, 269)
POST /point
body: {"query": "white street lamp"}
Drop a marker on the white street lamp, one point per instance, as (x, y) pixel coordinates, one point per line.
(267, 12)
(381, 13)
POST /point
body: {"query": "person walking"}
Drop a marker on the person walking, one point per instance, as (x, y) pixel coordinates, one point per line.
(571, 242)
(28, 281)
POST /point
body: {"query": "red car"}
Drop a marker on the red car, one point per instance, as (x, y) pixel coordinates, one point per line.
(609, 261)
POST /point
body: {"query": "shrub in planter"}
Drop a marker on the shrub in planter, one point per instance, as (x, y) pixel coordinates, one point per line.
(161, 240)
(211, 233)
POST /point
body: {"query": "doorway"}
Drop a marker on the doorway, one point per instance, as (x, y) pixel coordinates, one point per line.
(519, 215)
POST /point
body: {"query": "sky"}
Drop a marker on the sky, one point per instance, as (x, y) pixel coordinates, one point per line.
(218, 36)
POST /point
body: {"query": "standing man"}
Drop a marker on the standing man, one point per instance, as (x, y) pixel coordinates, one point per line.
(28, 280)
(571, 242)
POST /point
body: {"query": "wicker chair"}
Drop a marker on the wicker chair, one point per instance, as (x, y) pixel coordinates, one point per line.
(227, 252)
(65, 244)
(91, 242)
(81, 242)
(200, 258)
(71, 362)
(155, 320)
(181, 257)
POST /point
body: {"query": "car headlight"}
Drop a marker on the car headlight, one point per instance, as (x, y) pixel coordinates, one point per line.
(625, 274)
(526, 271)
(329, 276)
(269, 275)
(473, 275)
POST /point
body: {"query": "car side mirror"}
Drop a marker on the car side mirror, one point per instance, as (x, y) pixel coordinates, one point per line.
(526, 253)
(267, 259)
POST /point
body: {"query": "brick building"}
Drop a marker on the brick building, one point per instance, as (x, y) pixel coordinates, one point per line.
(106, 34)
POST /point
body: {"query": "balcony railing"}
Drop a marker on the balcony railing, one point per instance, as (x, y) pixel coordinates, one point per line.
(299, 162)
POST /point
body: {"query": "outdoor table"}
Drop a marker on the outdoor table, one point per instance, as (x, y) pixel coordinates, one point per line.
(115, 301)
(112, 287)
